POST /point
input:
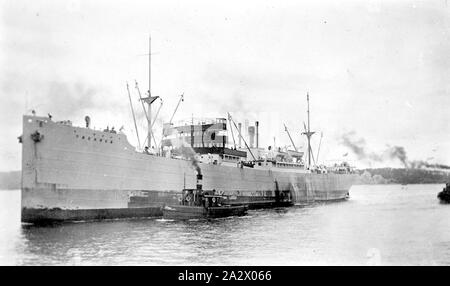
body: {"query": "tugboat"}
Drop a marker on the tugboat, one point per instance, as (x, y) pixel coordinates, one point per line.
(444, 196)
(198, 203)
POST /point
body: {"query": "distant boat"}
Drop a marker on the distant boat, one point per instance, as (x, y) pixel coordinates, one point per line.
(444, 196)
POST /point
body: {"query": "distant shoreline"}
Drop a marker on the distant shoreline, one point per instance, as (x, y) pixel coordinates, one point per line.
(402, 176)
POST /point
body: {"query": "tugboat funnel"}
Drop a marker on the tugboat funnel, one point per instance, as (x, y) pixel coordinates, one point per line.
(199, 181)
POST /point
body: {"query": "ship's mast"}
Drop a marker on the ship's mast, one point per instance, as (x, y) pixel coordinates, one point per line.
(150, 99)
(149, 109)
(149, 65)
(308, 134)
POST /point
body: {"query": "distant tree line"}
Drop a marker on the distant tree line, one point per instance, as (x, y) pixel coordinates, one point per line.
(403, 176)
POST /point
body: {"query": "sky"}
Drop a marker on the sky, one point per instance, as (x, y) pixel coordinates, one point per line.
(377, 72)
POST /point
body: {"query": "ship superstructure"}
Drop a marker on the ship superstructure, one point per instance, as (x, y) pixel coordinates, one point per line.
(209, 140)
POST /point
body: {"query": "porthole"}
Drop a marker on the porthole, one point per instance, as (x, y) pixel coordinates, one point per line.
(82, 137)
(89, 138)
(111, 141)
(100, 140)
(95, 139)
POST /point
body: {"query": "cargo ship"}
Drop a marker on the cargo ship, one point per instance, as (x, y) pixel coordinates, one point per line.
(79, 173)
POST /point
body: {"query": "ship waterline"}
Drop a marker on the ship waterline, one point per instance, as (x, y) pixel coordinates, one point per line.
(74, 173)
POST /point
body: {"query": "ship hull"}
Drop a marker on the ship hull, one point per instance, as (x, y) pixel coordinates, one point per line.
(43, 216)
(72, 173)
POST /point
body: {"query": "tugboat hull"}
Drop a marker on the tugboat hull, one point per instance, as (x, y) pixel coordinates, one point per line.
(195, 212)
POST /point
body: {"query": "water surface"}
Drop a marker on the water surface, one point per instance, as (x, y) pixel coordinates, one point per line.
(378, 225)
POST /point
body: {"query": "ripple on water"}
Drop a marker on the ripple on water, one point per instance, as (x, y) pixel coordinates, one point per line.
(381, 225)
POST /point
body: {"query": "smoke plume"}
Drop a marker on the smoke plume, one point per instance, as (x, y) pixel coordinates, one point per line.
(359, 148)
(187, 151)
(423, 164)
(398, 152)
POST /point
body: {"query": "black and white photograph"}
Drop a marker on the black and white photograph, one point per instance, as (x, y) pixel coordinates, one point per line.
(225, 133)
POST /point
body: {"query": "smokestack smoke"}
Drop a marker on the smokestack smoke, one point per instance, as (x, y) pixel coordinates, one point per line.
(398, 152)
(358, 147)
(188, 152)
(423, 164)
